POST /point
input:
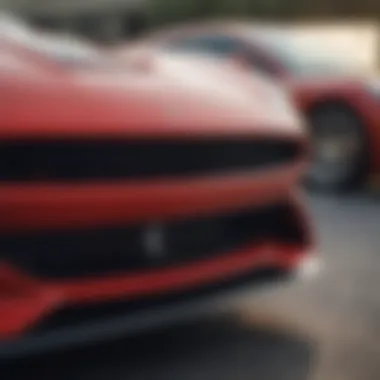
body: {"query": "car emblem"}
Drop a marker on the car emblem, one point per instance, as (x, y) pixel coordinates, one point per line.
(153, 241)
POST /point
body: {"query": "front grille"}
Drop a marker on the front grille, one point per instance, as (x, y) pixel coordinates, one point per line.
(74, 160)
(140, 247)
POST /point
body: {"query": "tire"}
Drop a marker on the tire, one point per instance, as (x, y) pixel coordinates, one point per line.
(339, 150)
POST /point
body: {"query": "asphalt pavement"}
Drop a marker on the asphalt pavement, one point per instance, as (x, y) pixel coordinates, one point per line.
(325, 329)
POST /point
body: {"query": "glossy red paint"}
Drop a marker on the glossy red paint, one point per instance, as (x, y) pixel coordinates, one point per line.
(22, 301)
(36, 103)
(60, 206)
(30, 300)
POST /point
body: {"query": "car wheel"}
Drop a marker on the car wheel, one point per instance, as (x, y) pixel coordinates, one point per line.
(338, 149)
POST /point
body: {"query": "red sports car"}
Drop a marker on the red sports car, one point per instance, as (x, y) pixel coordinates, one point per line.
(130, 198)
(340, 103)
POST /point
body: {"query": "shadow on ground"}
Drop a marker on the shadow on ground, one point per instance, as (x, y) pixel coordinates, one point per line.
(208, 349)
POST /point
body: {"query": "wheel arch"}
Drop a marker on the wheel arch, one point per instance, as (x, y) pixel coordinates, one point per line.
(336, 102)
(332, 102)
(340, 103)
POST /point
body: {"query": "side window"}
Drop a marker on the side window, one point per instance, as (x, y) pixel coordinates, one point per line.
(212, 44)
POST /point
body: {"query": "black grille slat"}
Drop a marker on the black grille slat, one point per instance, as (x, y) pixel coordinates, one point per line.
(77, 160)
(111, 250)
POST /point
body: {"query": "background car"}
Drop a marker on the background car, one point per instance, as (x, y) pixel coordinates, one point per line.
(130, 198)
(339, 101)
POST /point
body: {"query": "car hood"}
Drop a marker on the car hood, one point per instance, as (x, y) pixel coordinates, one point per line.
(167, 95)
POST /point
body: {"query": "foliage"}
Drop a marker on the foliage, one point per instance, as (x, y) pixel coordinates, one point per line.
(168, 11)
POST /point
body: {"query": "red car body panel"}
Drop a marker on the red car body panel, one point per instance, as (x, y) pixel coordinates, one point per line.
(39, 104)
(65, 205)
(32, 300)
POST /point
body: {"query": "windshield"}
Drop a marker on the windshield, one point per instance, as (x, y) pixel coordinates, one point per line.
(62, 49)
(303, 55)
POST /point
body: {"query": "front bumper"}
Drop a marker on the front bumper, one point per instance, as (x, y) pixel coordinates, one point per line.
(35, 207)
(40, 313)
(113, 320)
